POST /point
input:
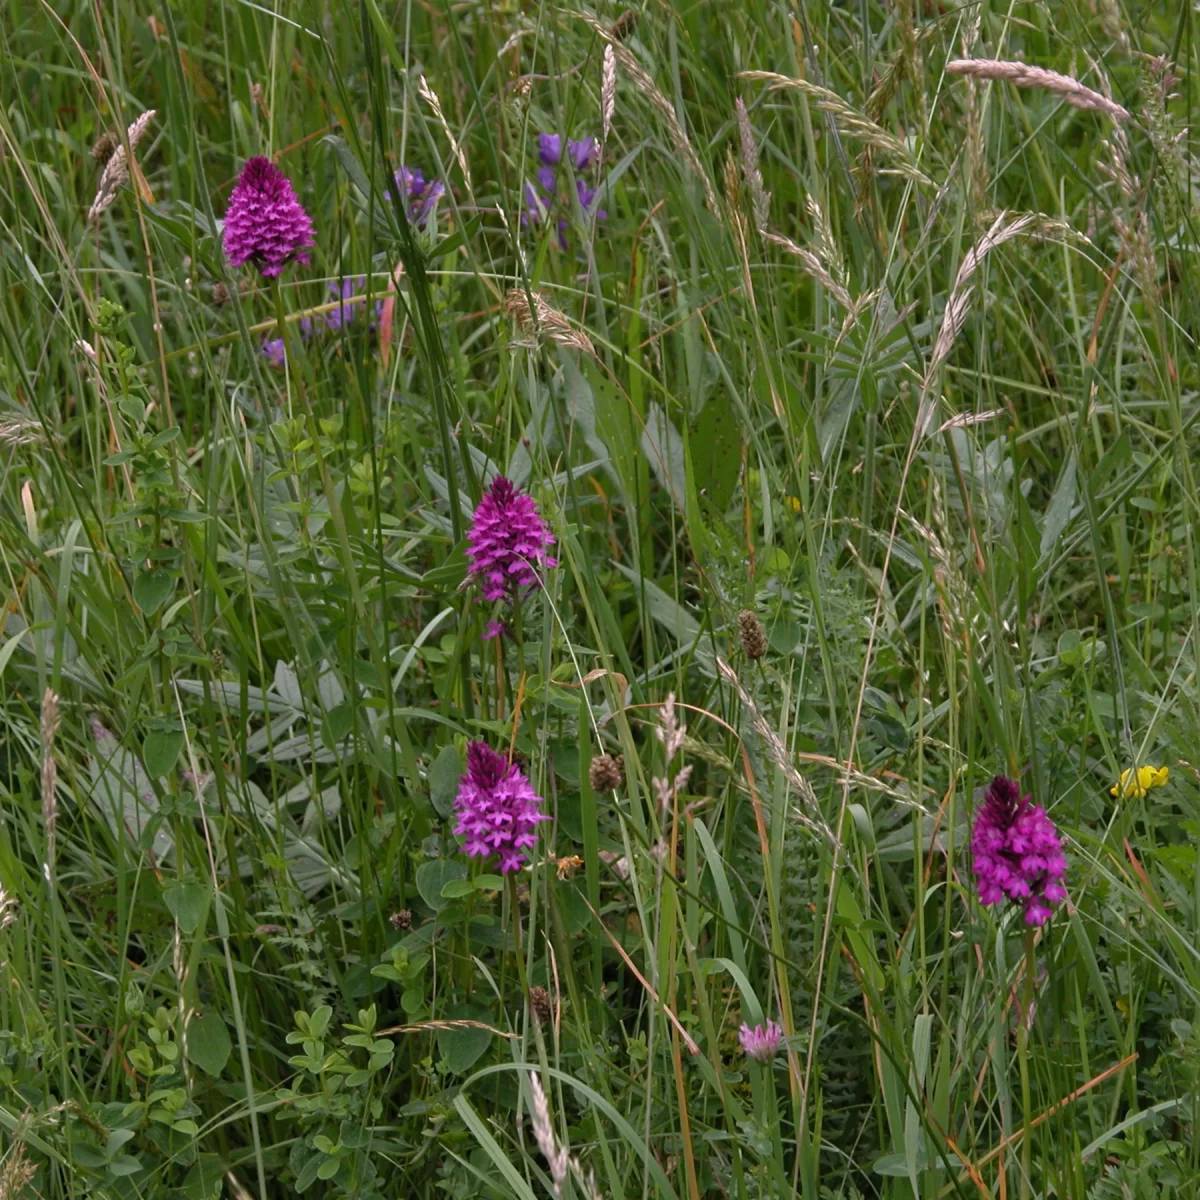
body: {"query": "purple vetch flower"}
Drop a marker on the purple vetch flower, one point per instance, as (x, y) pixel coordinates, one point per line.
(345, 312)
(583, 153)
(276, 351)
(422, 194)
(761, 1042)
(498, 810)
(265, 224)
(507, 542)
(1017, 853)
(541, 198)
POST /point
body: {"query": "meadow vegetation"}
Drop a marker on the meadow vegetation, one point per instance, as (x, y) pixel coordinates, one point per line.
(372, 827)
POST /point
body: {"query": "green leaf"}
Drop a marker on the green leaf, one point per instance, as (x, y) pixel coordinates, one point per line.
(456, 889)
(160, 751)
(488, 883)
(433, 876)
(208, 1044)
(188, 903)
(443, 780)
(463, 1046)
(151, 589)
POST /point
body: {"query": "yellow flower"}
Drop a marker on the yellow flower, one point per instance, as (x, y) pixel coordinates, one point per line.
(793, 502)
(1139, 782)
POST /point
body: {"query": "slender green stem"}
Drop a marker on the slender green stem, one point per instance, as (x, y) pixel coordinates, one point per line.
(1025, 1020)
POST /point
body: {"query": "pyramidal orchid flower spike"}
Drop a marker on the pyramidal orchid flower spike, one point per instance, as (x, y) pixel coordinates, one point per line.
(498, 810)
(507, 542)
(265, 224)
(1017, 853)
(761, 1042)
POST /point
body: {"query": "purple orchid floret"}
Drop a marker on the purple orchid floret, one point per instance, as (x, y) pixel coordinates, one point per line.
(498, 810)
(495, 629)
(508, 541)
(761, 1042)
(1017, 853)
(265, 224)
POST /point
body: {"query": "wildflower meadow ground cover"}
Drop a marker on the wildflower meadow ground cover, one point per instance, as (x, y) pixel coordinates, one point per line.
(599, 601)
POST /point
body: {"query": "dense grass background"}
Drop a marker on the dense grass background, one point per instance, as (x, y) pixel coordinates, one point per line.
(973, 549)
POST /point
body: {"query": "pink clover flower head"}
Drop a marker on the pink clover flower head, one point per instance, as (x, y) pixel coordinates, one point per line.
(265, 224)
(761, 1042)
(498, 810)
(1017, 853)
(508, 541)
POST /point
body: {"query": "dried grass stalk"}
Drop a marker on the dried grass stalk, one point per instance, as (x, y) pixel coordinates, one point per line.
(850, 121)
(608, 91)
(809, 814)
(116, 171)
(1020, 74)
(20, 431)
(544, 319)
(50, 717)
(1003, 229)
(679, 139)
(760, 198)
(431, 98)
(9, 910)
(16, 1174)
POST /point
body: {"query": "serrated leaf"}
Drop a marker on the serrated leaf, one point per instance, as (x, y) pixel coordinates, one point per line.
(433, 876)
(208, 1043)
(151, 589)
(443, 780)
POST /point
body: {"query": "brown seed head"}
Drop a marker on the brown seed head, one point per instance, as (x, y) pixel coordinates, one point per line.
(103, 147)
(754, 638)
(540, 1006)
(607, 772)
(220, 294)
(624, 25)
(401, 919)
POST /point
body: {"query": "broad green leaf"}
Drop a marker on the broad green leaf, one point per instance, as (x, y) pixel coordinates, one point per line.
(151, 589)
(160, 751)
(433, 876)
(208, 1043)
(188, 903)
(443, 780)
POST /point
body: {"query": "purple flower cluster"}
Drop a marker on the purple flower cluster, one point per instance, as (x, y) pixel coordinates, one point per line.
(761, 1042)
(334, 320)
(498, 810)
(265, 224)
(507, 542)
(422, 194)
(541, 199)
(1016, 853)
